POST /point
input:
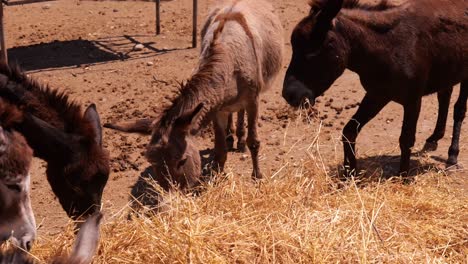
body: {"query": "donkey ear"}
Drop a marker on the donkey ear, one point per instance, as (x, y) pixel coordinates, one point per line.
(3, 141)
(41, 136)
(92, 116)
(328, 11)
(87, 240)
(184, 122)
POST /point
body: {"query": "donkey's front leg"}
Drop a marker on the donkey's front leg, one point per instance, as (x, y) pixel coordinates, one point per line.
(220, 123)
(443, 98)
(408, 132)
(367, 110)
(252, 138)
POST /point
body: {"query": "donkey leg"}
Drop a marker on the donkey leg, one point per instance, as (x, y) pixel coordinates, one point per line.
(252, 138)
(230, 132)
(367, 110)
(444, 101)
(458, 116)
(220, 152)
(240, 132)
(408, 133)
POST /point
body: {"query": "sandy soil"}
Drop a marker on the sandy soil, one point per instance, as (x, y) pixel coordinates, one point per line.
(85, 48)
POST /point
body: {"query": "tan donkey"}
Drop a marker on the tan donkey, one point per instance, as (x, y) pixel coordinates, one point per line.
(241, 55)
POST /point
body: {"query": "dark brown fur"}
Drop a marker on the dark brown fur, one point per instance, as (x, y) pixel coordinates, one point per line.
(401, 53)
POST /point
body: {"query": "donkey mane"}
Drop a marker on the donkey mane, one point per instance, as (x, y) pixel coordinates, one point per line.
(42, 101)
(354, 4)
(197, 90)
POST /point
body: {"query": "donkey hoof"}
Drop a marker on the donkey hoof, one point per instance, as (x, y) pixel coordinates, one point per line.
(430, 146)
(452, 163)
(257, 175)
(230, 142)
(241, 147)
(347, 173)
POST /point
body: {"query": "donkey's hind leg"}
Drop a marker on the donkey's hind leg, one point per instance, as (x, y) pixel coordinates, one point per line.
(458, 116)
(443, 98)
(240, 132)
(230, 132)
(252, 138)
(220, 123)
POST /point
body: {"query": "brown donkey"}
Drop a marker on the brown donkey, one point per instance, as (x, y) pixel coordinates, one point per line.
(400, 53)
(67, 139)
(240, 57)
(16, 216)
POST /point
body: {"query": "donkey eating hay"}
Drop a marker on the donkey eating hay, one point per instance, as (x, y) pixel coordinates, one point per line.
(401, 53)
(240, 57)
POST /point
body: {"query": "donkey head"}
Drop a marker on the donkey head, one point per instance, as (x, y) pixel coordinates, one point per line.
(78, 166)
(16, 216)
(172, 153)
(319, 56)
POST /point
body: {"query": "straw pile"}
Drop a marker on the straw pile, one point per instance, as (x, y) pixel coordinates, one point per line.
(298, 216)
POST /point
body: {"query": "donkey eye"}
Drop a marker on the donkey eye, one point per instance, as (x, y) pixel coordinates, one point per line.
(312, 55)
(14, 187)
(181, 163)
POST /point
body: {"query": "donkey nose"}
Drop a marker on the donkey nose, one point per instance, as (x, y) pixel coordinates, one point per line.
(295, 92)
(27, 242)
(27, 245)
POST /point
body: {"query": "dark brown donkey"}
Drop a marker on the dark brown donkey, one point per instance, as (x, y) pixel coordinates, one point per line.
(401, 53)
(69, 140)
(16, 215)
(241, 56)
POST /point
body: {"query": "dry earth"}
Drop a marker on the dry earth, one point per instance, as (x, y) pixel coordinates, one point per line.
(85, 48)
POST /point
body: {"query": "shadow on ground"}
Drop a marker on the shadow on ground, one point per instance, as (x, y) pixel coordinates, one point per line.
(59, 54)
(386, 167)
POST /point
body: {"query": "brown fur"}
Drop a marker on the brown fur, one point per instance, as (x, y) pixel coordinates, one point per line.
(15, 161)
(401, 53)
(77, 158)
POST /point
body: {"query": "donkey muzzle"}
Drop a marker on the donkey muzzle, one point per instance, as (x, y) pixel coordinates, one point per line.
(296, 92)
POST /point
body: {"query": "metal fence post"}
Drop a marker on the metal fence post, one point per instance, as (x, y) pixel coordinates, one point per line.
(194, 21)
(4, 55)
(158, 17)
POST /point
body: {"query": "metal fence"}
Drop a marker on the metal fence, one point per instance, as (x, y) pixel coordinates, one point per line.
(4, 55)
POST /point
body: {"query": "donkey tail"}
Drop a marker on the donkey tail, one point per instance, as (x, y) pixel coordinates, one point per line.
(142, 126)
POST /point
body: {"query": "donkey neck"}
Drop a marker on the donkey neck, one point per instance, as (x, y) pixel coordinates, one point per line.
(365, 34)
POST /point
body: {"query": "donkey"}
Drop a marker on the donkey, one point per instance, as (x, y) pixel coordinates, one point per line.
(84, 248)
(60, 134)
(16, 216)
(240, 57)
(401, 53)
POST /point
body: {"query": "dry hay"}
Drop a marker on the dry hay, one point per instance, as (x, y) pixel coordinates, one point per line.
(298, 216)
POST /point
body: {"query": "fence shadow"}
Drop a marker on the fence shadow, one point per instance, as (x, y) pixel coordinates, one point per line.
(75, 53)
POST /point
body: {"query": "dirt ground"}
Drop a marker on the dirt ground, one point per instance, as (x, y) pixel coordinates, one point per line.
(86, 49)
